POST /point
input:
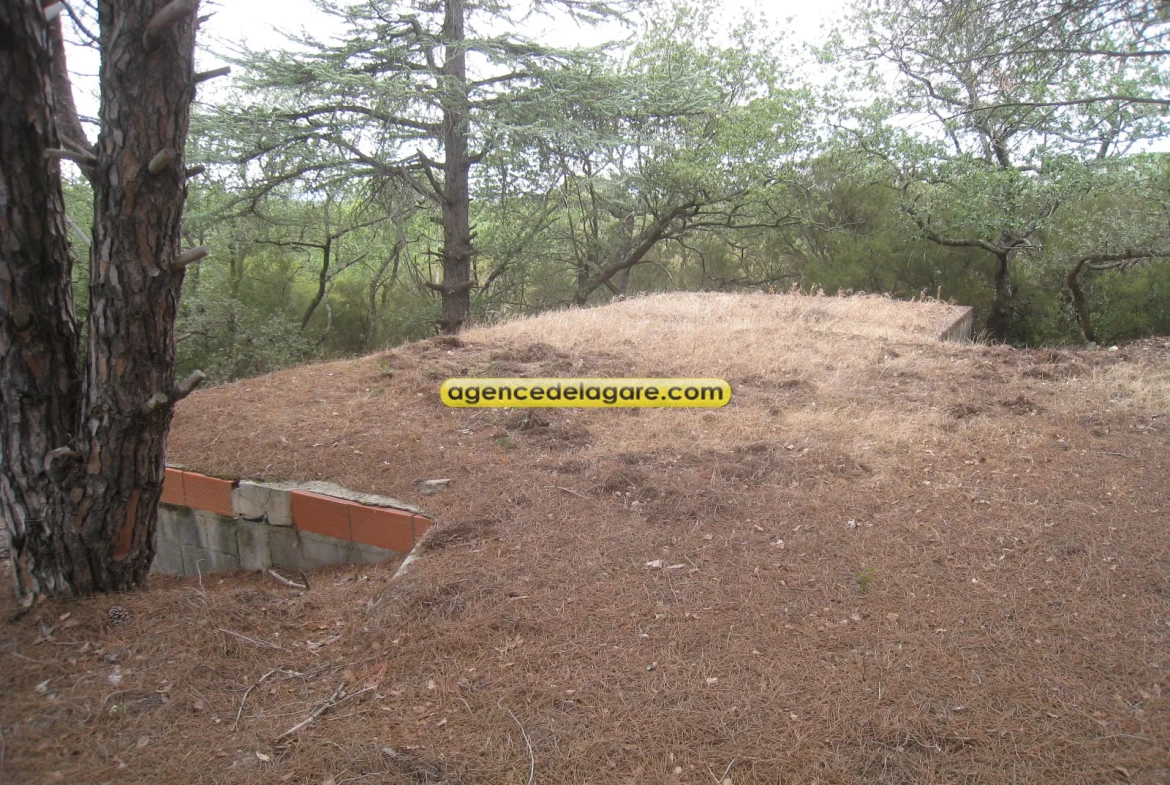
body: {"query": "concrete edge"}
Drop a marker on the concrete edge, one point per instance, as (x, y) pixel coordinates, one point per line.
(961, 330)
(243, 524)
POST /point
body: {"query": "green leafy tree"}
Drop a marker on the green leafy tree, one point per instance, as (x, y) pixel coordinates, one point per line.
(415, 91)
(1002, 113)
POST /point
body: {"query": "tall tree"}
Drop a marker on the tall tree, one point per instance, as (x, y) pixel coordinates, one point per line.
(83, 430)
(420, 91)
(699, 137)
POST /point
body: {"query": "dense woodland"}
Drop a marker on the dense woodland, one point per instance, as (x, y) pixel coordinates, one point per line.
(434, 167)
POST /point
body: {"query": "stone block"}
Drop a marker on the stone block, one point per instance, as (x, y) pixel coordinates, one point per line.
(217, 532)
(284, 549)
(178, 524)
(369, 554)
(252, 537)
(319, 550)
(200, 561)
(263, 502)
(168, 557)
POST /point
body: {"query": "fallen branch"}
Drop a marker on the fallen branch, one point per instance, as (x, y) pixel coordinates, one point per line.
(253, 641)
(286, 581)
(322, 708)
(248, 692)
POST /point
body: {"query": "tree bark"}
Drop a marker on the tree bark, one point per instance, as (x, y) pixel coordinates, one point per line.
(84, 520)
(999, 321)
(134, 293)
(322, 280)
(39, 365)
(456, 286)
(1080, 303)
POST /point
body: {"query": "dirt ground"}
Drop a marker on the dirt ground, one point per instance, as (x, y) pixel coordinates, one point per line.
(888, 560)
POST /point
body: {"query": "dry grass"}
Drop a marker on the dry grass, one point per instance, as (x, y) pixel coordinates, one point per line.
(901, 561)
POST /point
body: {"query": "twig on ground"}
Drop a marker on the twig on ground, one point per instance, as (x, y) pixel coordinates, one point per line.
(317, 712)
(566, 490)
(286, 581)
(3, 749)
(305, 580)
(253, 641)
(30, 659)
(248, 692)
(531, 754)
(324, 707)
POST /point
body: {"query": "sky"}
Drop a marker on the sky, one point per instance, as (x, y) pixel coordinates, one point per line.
(257, 24)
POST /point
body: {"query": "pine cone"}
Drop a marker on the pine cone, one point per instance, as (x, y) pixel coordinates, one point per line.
(118, 616)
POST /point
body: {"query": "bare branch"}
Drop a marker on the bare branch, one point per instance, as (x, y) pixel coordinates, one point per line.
(162, 159)
(185, 387)
(189, 257)
(203, 76)
(84, 159)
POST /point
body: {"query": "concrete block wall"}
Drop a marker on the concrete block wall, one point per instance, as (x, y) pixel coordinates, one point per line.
(207, 524)
(962, 329)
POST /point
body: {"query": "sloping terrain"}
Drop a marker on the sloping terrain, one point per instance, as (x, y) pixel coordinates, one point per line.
(888, 560)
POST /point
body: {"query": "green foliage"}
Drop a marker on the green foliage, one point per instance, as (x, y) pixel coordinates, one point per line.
(692, 158)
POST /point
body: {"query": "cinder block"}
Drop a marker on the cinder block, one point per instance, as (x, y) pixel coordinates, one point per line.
(388, 529)
(256, 501)
(368, 554)
(318, 550)
(200, 561)
(172, 491)
(321, 514)
(178, 524)
(284, 549)
(217, 532)
(201, 492)
(168, 557)
(253, 545)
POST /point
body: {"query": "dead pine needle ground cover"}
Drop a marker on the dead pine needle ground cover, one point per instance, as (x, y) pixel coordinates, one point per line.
(889, 560)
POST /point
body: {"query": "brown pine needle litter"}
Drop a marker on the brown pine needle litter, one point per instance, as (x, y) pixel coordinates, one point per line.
(889, 560)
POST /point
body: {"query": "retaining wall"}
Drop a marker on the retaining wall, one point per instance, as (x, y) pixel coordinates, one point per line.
(208, 525)
(962, 329)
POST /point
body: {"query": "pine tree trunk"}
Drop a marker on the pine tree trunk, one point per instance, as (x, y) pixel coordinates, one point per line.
(39, 367)
(134, 293)
(82, 519)
(456, 286)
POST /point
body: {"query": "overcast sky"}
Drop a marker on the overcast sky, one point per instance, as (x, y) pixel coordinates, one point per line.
(253, 22)
(257, 24)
